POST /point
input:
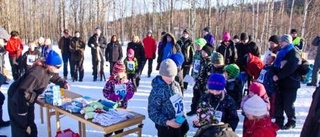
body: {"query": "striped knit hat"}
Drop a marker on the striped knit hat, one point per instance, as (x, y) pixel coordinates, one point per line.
(217, 58)
(118, 68)
(232, 70)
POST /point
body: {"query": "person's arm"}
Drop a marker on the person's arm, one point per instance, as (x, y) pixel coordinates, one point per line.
(301, 44)
(108, 92)
(56, 79)
(107, 51)
(290, 66)
(130, 91)
(155, 104)
(120, 52)
(60, 43)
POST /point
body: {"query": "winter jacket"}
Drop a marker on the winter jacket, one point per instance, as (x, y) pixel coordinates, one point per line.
(266, 78)
(260, 128)
(210, 103)
(97, 45)
(121, 95)
(24, 91)
(160, 108)
(77, 48)
(24, 65)
(228, 52)
(175, 48)
(64, 44)
(287, 74)
(210, 39)
(253, 48)
(139, 51)
(187, 50)
(204, 73)
(150, 46)
(311, 127)
(298, 42)
(196, 64)
(113, 52)
(243, 49)
(14, 47)
(131, 65)
(234, 89)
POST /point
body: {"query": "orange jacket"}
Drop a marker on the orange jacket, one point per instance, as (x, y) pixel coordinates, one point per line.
(14, 47)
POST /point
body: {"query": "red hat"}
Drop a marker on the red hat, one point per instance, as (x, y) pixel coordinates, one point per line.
(118, 68)
(258, 89)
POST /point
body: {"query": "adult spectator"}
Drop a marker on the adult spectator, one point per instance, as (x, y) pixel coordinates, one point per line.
(139, 54)
(64, 45)
(316, 66)
(14, 48)
(227, 49)
(150, 46)
(208, 36)
(288, 79)
(296, 41)
(97, 43)
(236, 39)
(186, 44)
(77, 56)
(274, 46)
(113, 52)
(169, 47)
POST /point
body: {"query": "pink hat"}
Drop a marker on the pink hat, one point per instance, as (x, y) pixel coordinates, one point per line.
(226, 36)
(130, 53)
(258, 89)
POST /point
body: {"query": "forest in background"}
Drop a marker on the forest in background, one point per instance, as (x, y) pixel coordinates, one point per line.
(259, 18)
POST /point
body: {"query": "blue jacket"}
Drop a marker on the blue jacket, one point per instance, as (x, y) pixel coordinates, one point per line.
(160, 108)
(268, 82)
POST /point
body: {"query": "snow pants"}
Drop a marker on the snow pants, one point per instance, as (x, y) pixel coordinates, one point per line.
(284, 102)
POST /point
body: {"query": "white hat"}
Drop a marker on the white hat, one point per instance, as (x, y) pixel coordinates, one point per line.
(255, 106)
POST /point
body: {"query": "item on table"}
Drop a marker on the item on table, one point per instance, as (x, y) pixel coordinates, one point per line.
(109, 104)
(89, 115)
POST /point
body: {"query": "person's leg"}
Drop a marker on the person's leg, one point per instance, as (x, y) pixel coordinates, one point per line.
(2, 122)
(75, 68)
(70, 64)
(65, 59)
(101, 72)
(111, 67)
(81, 70)
(289, 109)
(315, 71)
(31, 124)
(143, 63)
(18, 123)
(186, 71)
(95, 70)
(150, 61)
(279, 108)
(195, 101)
(164, 131)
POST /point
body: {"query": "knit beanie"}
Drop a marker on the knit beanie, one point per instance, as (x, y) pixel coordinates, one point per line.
(232, 70)
(201, 42)
(178, 58)
(186, 31)
(275, 39)
(226, 36)
(168, 68)
(217, 58)
(207, 49)
(118, 67)
(293, 31)
(207, 29)
(216, 81)
(255, 106)
(243, 36)
(235, 37)
(286, 38)
(258, 89)
(130, 53)
(53, 59)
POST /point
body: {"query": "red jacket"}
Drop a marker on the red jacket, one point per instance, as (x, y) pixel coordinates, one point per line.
(150, 47)
(14, 47)
(260, 128)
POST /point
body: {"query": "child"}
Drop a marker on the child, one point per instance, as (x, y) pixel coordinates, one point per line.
(131, 64)
(29, 57)
(118, 88)
(197, 57)
(216, 106)
(265, 78)
(255, 89)
(178, 58)
(234, 86)
(165, 102)
(218, 63)
(204, 73)
(258, 122)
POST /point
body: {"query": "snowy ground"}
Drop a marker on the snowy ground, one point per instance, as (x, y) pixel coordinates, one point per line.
(139, 104)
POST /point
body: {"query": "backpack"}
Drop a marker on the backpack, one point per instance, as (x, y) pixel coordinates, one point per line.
(215, 130)
(253, 65)
(304, 67)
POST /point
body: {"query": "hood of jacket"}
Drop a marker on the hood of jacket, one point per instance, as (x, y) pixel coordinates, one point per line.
(164, 38)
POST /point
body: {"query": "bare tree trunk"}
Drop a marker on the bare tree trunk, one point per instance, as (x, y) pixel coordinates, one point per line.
(209, 12)
(154, 18)
(170, 16)
(271, 18)
(290, 18)
(281, 17)
(193, 19)
(305, 14)
(122, 21)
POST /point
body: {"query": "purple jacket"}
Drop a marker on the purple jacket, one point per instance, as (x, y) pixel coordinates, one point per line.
(110, 93)
(210, 39)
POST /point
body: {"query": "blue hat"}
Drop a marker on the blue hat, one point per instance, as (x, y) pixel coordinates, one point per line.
(53, 59)
(216, 81)
(178, 58)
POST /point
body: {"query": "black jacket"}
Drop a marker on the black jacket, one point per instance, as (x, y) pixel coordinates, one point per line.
(113, 52)
(288, 75)
(77, 49)
(187, 50)
(97, 45)
(138, 48)
(228, 52)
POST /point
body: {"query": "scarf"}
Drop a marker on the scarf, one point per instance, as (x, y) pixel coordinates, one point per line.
(281, 54)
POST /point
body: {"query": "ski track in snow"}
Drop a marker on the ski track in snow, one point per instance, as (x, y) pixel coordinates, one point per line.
(139, 104)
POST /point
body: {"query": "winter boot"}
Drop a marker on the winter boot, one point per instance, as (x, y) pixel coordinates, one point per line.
(3, 123)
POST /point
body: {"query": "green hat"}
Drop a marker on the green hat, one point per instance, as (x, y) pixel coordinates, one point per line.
(217, 58)
(201, 42)
(232, 70)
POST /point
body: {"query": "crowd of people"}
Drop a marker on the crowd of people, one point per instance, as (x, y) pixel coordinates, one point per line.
(221, 73)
